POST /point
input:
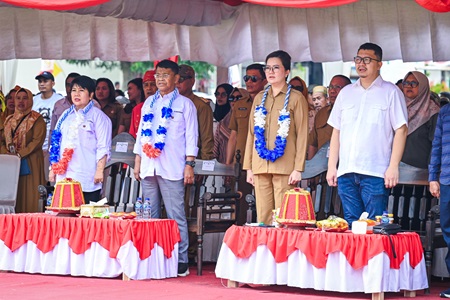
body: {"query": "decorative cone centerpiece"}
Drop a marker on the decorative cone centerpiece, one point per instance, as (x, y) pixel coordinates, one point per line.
(297, 209)
(67, 197)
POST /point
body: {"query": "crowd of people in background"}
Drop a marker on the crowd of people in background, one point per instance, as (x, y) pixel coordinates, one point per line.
(275, 125)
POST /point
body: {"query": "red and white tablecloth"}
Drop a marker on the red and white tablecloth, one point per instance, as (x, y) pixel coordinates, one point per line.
(40, 243)
(342, 262)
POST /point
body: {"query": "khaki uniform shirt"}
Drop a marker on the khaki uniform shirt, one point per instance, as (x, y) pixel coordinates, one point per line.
(295, 152)
(240, 114)
(321, 132)
(114, 112)
(205, 127)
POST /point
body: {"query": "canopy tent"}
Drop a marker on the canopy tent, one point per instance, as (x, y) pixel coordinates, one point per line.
(222, 34)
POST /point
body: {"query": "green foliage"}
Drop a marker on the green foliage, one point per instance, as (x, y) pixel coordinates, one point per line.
(438, 88)
(107, 65)
(202, 69)
(137, 69)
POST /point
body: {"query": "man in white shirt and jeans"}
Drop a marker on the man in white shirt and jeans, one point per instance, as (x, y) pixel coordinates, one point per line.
(165, 150)
(369, 121)
(43, 103)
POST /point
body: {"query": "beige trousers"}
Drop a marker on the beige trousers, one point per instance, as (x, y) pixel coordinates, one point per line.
(269, 192)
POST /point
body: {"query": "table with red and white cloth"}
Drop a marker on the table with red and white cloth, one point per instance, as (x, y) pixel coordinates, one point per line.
(331, 261)
(41, 243)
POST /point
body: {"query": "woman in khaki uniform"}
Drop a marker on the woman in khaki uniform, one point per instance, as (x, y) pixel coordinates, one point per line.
(277, 138)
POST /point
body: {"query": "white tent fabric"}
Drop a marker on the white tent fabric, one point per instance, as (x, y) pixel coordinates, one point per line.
(224, 35)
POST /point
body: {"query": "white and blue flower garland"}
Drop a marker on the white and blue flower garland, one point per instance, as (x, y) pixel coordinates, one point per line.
(153, 151)
(59, 166)
(284, 121)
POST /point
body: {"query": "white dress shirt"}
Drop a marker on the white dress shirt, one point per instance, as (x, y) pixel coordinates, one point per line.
(94, 142)
(181, 138)
(367, 119)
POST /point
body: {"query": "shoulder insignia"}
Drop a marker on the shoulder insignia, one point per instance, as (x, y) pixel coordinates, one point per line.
(205, 100)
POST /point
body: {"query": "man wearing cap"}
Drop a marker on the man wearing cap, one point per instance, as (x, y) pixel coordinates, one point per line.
(150, 88)
(204, 112)
(321, 131)
(44, 103)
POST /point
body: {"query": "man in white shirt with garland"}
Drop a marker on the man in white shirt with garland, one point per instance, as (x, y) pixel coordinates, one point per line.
(369, 121)
(43, 103)
(166, 147)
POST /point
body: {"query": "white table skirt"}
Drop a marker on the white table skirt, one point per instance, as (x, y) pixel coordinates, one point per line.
(94, 262)
(338, 275)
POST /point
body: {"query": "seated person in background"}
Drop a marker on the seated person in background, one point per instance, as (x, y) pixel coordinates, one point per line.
(81, 141)
(223, 106)
(319, 97)
(399, 83)
(222, 135)
(422, 117)
(321, 132)
(149, 84)
(136, 95)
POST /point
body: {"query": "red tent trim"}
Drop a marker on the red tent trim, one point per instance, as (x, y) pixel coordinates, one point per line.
(439, 6)
(55, 4)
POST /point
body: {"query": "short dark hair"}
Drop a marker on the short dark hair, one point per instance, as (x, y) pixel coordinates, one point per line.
(73, 75)
(112, 92)
(371, 46)
(85, 82)
(120, 92)
(258, 67)
(168, 64)
(343, 77)
(283, 56)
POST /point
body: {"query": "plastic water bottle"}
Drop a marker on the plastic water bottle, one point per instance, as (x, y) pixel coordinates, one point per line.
(147, 214)
(138, 208)
(49, 199)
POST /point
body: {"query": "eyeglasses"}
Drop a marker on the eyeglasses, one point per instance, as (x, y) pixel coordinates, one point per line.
(298, 88)
(253, 78)
(366, 60)
(274, 69)
(412, 84)
(217, 94)
(162, 76)
(184, 78)
(334, 87)
(234, 98)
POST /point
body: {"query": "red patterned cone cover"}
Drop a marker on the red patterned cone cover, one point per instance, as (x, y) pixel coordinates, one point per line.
(68, 194)
(297, 207)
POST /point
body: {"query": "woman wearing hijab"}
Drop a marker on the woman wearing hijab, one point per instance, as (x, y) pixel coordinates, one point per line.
(25, 132)
(223, 131)
(422, 117)
(222, 94)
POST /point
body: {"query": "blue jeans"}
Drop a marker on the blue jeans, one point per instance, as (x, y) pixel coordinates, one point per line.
(360, 193)
(444, 204)
(172, 193)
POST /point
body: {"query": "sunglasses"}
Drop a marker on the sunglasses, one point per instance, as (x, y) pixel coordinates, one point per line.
(234, 98)
(183, 78)
(217, 94)
(253, 78)
(412, 84)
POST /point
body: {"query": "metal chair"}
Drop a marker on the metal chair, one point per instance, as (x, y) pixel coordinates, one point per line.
(9, 182)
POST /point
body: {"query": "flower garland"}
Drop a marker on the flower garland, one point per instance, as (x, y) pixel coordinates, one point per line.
(59, 166)
(284, 121)
(154, 151)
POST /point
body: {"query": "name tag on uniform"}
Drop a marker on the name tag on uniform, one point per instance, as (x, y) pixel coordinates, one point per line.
(242, 108)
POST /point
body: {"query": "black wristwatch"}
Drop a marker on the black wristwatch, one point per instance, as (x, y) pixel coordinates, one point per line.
(190, 163)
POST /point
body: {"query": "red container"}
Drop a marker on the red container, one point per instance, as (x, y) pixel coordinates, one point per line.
(297, 208)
